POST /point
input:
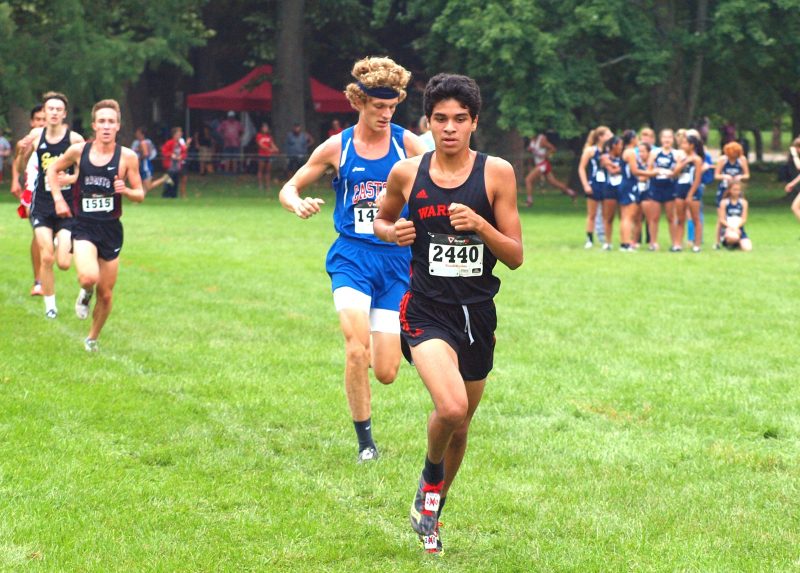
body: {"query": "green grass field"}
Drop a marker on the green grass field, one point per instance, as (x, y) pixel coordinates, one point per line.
(643, 414)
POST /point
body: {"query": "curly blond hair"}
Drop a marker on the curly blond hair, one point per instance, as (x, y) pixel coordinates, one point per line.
(377, 72)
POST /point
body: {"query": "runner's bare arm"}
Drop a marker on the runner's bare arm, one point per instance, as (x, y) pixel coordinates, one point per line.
(585, 156)
(324, 157)
(745, 169)
(129, 170)
(505, 240)
(718, 170)
(698, 176)
(69, 158)
(25, 148)
(387, 225)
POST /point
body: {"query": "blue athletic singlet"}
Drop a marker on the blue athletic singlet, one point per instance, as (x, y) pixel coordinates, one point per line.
(643, 187)
(685, 182)
(614, 182)
(629, 189)
(734, 210)
(358, 259)
(597, 176)
(662, 186)
(731, 169)
(358, 184)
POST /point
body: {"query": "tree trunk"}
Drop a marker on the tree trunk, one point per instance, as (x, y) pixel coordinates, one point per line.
(668, 101)
(776, 135)
(759, 143)
(289, 85)
(796, 116)
(697, 70)
(19, 122)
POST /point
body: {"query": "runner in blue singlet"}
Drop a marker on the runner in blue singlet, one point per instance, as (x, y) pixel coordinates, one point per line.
(593, 178)
(368, 276)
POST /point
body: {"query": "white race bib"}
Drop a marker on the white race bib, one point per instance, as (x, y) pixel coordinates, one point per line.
(455, 255)
(364, 215)
(600, 176)
(733, 221)
(615, 180)
(685, 178)
(98, 204)
(642, 185)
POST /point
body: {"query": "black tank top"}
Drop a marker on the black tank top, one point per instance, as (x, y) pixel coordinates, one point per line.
(95, 199)
(47, 153)
(449, 266)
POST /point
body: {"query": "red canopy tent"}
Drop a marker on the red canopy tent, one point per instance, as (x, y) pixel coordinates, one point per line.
(253, 92)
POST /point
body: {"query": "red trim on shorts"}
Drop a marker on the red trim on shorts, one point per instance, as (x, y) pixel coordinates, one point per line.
(403, 320)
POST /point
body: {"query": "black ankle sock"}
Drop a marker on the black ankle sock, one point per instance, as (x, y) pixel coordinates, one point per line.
(590, 236)
(364, 433)
(441, 504)
(433, 473)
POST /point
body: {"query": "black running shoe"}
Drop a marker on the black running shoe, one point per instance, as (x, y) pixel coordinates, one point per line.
(424, 512)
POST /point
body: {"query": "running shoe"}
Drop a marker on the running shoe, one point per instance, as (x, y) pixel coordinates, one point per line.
(652, 247)
(432, 543)
(695, 249)
(606, 246)
(674, 249)
(51, 314)
(588, 245)
(368, 454)
(90, 345)
(716, 246)
(424, 512)
(36, 289)
(168, 180)
(82, 304)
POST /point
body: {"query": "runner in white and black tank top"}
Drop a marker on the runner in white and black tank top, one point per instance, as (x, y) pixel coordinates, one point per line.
(43, 211)
(449, 266)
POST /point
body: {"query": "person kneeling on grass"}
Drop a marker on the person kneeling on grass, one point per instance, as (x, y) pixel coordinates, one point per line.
(732, 217)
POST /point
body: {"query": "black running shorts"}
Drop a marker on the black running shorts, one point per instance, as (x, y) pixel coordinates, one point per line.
(106, 236)
(468, 329)
(43, 218)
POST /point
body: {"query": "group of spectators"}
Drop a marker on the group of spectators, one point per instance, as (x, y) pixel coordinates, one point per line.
(224, 147)
(637, 177)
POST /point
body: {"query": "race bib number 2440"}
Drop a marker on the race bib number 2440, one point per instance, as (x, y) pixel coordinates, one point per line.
(455, 255)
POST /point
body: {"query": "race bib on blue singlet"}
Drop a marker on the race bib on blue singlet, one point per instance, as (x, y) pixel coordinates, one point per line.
(364, 214)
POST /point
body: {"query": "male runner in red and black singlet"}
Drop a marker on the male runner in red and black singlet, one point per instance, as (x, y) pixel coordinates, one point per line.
(104, 166)
(463, 219)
